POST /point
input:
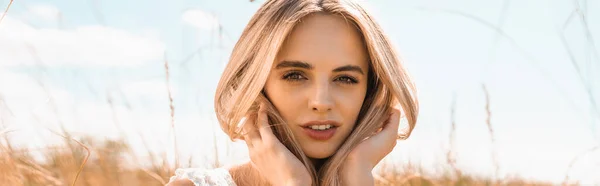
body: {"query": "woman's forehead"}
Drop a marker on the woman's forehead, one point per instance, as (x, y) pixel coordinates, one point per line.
(325, 39)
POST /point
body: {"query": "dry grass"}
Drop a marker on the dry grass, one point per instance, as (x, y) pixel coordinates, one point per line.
(112, 162)
(78, 162)
(410, 174)
(6, 10)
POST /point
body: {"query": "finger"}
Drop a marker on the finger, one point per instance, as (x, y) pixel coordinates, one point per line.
(246, 131)
(391, 127)
(388, 131)
(263, 122)
(384, 142)
(251, 135)
(387, 127)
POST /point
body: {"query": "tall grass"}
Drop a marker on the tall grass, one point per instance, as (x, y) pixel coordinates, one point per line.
(92, 162)
(86, 161)
(6, 10)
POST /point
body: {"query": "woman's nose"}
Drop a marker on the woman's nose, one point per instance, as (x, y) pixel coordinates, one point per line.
(321, 98)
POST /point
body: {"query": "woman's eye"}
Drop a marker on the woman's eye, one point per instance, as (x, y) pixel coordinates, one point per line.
(293, 76)
(347, 80)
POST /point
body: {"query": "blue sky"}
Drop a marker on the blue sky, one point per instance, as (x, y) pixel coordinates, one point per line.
(103, 74)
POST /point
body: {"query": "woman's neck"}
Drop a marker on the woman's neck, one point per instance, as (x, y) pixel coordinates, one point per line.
(318, 163)
(245, 174)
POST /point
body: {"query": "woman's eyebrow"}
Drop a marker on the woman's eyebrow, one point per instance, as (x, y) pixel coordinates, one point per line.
(349, 68)
(305, 65)
(297, 64)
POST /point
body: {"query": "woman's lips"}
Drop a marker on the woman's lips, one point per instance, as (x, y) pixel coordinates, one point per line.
(320, 135)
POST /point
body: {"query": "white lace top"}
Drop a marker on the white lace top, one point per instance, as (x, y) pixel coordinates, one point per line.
(205, 177)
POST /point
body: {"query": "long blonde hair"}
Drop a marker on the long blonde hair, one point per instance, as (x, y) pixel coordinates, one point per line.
(240, 89)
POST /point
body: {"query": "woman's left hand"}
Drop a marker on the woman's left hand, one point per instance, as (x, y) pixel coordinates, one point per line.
(365, 156)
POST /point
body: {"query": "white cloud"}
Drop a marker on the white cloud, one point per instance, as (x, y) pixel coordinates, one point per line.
(200, 19)
(81, 46)
(31, 107)
(25, 92)
(32, 115)
(44, 12)
(30, 104)
(152, 89)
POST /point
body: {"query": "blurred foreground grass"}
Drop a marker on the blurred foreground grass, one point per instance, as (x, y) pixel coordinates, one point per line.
(90, 161)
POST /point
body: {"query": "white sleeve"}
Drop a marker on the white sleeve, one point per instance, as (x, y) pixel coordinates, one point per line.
(204, 177)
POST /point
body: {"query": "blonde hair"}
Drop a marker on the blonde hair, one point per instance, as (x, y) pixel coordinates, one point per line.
(240, 89)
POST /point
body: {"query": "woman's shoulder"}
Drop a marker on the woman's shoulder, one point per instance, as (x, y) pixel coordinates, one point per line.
(202, 177)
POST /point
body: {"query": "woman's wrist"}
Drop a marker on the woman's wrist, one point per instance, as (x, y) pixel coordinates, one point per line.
(298, 183)
(305, 181)
(357, 174)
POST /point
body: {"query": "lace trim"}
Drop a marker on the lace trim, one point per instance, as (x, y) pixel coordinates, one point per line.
(205, 177)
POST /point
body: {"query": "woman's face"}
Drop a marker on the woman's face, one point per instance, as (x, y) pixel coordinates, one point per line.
(319, 81)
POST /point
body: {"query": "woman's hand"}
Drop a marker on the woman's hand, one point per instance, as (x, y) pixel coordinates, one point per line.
(366, 155)
(270, 157)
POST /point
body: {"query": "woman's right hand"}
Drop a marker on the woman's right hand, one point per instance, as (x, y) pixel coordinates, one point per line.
(269, 156)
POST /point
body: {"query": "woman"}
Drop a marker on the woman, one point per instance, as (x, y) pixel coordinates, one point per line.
(316, 91)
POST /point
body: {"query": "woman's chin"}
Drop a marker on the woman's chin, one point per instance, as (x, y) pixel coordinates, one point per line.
(318, 153)
(319, 150)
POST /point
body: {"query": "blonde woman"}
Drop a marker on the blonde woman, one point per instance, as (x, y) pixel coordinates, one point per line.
(316, 90)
